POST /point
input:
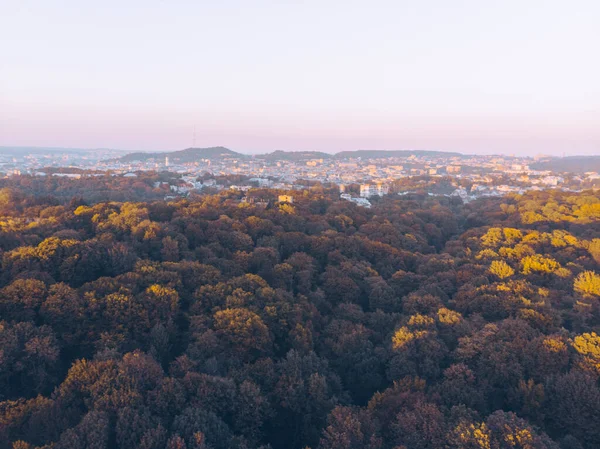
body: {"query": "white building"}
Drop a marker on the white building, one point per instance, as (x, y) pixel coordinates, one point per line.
(369, 190)
(65, 175)
(461, 193)
(552, 180)
(363, 202)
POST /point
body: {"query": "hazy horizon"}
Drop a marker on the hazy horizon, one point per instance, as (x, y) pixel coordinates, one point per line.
(469, 76)
(254, 153)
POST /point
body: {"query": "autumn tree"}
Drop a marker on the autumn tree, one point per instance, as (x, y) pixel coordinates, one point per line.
(587, 283)
(501, 269)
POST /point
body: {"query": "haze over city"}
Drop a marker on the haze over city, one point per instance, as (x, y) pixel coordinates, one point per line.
(469, 76)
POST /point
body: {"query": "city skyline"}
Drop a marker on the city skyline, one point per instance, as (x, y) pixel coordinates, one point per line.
(472, 77)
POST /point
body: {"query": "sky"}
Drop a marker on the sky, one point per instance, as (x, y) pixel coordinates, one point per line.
(475, 76)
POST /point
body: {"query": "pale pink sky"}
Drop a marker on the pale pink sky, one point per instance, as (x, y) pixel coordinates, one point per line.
(477, 76)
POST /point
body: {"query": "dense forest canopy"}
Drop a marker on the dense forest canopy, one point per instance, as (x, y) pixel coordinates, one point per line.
(207, 322)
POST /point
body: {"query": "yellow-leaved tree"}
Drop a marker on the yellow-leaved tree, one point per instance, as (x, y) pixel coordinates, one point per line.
(501, 269)
(540, 264)
(588, 347)
(587, 283)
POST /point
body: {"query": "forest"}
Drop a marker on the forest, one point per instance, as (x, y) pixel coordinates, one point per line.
(128, 321)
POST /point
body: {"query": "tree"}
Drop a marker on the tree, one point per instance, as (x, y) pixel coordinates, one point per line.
(64, 310)
(539, 264)
(91, 433)
(193, 420)
(587, 346)
(29, 358)
(21, 300)
(304, 393)
(460, 387)
(572, 406)
(501, 269)
(250, 410)
(468, 435)
(421, 426)
(349, 428)
(170, 249)
(511, 432)
(244, 331)
(587, 283)
(132, 425)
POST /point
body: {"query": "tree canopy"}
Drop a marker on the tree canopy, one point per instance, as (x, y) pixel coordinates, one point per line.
(127, 321)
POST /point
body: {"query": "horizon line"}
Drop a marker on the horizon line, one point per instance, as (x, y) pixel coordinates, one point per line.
(89, 149)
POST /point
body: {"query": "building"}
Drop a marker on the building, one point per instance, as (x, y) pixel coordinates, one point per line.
(453, 169)
(552, 180)
(363, 202)
(261, 182)
(259, 202)
(369, 190)
(461, 193)
(65, 175)
(365, 190)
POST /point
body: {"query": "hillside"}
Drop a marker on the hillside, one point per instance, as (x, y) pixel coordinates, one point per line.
(572, 164)
(366, 154)
(294, 156)
(183, 156)
(216, 153)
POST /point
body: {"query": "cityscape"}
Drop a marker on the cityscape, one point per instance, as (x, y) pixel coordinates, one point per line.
(315, 224)
(376, 173)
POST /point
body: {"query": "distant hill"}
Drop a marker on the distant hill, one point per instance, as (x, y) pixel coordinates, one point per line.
(183, 156)
(217, 153)
(20, 151)
(370, 154)
(571, 164)
(294, 156)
